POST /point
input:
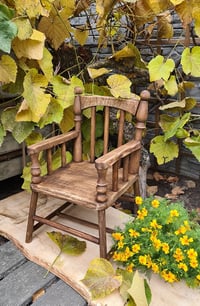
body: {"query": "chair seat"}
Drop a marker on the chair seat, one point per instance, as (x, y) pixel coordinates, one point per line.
(77, 181)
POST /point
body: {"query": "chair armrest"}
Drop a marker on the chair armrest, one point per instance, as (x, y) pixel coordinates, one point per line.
(51, 142)
(110, 158)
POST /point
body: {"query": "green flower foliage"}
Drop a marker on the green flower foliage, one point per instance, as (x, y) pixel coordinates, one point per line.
(162, 239)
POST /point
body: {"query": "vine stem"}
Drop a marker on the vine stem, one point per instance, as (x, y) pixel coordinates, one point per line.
(53, 263)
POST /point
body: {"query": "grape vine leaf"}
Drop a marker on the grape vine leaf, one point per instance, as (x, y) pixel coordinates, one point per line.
(8, 29)
(53, 114)
(119, 86)
(101, 278)
(160, 69)
(178, 123)
(190, 60)
(8, 69)
(164, 151)
(193, 144)
(137, 290)
(34, 94)
(171, 86)
(46, 64)
(95, 73)
(25, 29)
(31, 48)
(2, 134)
(67, 244)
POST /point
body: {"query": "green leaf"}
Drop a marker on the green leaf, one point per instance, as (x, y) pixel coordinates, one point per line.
(56, 159)
(177, 124)
(54, 114)
(2, 134)
(99, 147)
(86, 126)
(46, 64)
(137, 290)
(127, 278)
(25, 29)
(64, 92)
(67, 122)
(101, 278)
(147, 292)
(190, 60)
(193, 144)
(119, 86)
(34, 137)
(164, 151)
(159, 69)
(20, 130)
(8, 29)
(67, 244)
(182, 133)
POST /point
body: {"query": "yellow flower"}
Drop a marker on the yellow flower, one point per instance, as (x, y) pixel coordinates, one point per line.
(183, 266)
(129, 268)
(194, 263)
(198, 277)
(143, 260)
(168, 276)
(136, 248)
(165, 248)
(120, 244)
(157, 244)
(155, 203)
(142, 213)
(154, 224)
(185, 240)
(118, 236)
(178, 255)
(138, 200)
(128, 253)
(155, 267)
(174, 213)
(192, 254)
(116, 256)
(133, 233)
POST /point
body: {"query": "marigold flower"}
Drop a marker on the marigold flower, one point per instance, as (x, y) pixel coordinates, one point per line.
(192, 254)
(155, 267)
(198, 277)
(130, 267)
(165, 248)
(194, 263)
(174, 213)
(155, 203)
(169, 276)
(117, 236)
(142, 213)
(178, 255)
(128, 253)
(120, 244)
(136, 248)
(143, 260)
(185, 240)
(138, 200)
(154, 224)
(157, 244)
(183, 266)
(133, 233)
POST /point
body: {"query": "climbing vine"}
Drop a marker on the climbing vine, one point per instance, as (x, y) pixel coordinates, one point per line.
(36, 35)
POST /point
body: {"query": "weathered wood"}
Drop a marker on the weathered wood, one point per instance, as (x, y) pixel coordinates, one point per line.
(95, 184)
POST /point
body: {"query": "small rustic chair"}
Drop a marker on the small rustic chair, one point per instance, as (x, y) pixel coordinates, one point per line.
(97, 183)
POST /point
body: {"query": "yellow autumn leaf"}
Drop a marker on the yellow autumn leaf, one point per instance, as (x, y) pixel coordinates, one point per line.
(24, 113)
(95, 73)
(158, 6)
(119, 86)
(46, 64)
(190, 61)
(160, 69)
(8, 69)
(196, 16)
(176, 2)
(25, 29)
(171, 86)
(137, 290)
(34, 94)
(31, 8)
(31, 48)
(55, 28)
(81, 35)
(165, 28)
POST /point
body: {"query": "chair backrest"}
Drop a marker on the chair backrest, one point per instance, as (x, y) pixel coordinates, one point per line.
(136, 106)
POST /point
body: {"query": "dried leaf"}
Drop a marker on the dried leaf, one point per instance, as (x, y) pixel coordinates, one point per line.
(151, 190)
(172, 179)
(178, 190)
(158, 177)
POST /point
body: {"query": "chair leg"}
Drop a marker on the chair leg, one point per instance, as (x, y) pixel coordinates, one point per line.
(32, 210)
(102, 233)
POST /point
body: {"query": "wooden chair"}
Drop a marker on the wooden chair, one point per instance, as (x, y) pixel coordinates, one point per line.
(97, 183)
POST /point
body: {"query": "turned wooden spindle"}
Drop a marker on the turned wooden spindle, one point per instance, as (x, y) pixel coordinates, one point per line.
(35, 169)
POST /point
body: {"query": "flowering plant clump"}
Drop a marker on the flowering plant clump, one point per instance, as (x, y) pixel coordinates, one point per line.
(163, 238)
